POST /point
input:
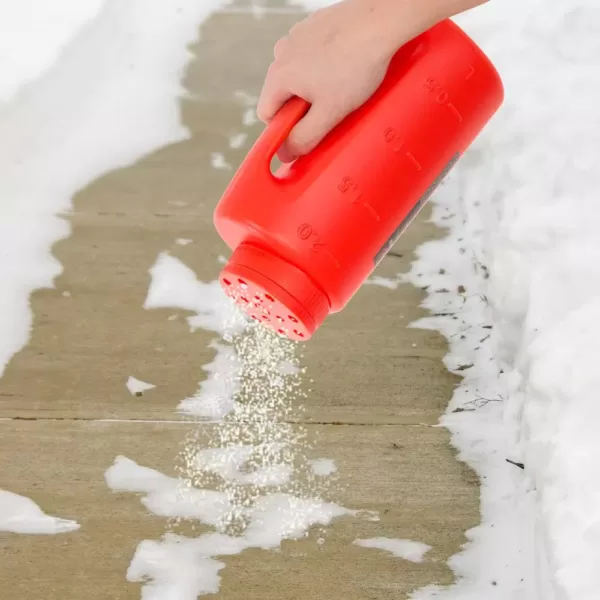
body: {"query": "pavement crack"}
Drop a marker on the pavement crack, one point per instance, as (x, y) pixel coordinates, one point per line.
(198, 422)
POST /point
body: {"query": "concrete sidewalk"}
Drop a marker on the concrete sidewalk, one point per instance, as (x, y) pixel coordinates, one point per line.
(373, 403)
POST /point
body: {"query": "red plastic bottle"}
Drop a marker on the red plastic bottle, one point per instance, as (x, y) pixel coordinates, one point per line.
(307, 237)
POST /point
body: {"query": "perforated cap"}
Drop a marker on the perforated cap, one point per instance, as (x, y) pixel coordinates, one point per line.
(274, 292)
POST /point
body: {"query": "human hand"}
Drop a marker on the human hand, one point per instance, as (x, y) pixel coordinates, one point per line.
(337, 58)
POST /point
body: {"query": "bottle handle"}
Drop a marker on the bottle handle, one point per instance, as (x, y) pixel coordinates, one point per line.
(275, 134)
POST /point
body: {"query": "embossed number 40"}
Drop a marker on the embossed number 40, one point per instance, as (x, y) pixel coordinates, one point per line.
(442, 96)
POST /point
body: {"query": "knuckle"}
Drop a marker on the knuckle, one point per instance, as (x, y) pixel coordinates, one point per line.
(280, 48)
(276, 73)
(272, 70)
(296, 27)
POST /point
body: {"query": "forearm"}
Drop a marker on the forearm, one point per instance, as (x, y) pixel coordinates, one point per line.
(401, 20)
(443, 9)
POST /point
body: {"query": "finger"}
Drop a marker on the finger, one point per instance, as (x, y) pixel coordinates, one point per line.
(284, 155)
(273, 96)
(280, 48)
(310, 131)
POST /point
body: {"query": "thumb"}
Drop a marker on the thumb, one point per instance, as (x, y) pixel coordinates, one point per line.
(308, 133)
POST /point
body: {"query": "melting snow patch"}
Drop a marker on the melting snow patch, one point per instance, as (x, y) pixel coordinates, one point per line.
(278, 517)
(242, 484)
(406, 549)
(22, 515)
(174, 285)
(166, 496)
(229, 462)
(323, 467)
(386, 282)
(238, 140)
(184, 568)
(181, 568)
(137, 387)
(215, 396)
(249, 118)
(217, 161)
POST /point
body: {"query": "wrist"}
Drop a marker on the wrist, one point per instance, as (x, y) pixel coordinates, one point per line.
(399, 21)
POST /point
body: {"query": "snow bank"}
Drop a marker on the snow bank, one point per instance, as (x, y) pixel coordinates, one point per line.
(33, 33)
(519, 280)
(102, 93)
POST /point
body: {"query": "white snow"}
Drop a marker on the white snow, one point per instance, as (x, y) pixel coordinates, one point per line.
(174, 285)
(108, 73)
(137, 386)
(521, 208)
(386, 282)
(189, 567)
(229, 462)
(19, 514)
(115, 81)
(33, 33)
(238, 140)
(218, 161)
(250, 117)
(182, 568)
(323, 467)
(406, 549)
(522, 212)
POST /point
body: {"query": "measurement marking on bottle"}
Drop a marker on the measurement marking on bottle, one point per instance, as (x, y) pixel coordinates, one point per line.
(455, 111)
(307, 233)
(442, 96)
(397, 143)
(391, 135)
(372, 211)
(349, 187)
(304, 231)
(414, 161)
